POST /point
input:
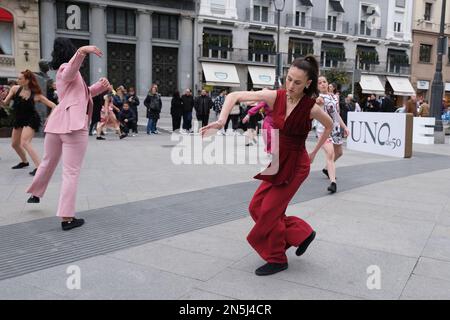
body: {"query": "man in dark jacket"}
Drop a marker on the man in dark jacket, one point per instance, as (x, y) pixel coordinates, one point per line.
(127, 118)
(387, 105)
(153, 104)
(133, 101)
(202, 105)
(188, 105)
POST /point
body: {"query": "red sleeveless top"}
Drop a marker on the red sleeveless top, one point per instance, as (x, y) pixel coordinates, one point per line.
(292, 134)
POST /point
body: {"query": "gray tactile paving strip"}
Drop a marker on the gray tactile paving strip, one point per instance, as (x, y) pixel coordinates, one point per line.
(36, 245)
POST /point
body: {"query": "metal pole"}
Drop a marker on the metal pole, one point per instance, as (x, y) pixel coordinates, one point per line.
(437, 90)
(277, 77)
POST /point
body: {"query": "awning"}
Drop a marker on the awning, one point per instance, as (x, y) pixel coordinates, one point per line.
(5, 16)
(401, 86)
(262, 76)
(371, 85)
(447, 86)
(221, 74)
(306, 3)
(336, 6)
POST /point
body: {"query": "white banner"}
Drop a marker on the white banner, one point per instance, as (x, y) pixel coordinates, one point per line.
(388, 134)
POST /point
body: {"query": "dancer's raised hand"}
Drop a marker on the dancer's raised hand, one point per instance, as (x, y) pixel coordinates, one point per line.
(91, 49)
(211, 129)
(105, 83)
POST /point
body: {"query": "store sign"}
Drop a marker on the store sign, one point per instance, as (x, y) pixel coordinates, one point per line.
(388, 134)
(73, 21)
(423, 85)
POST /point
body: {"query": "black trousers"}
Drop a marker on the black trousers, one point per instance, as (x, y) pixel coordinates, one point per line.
(176, 122)
(204, 118)
(234, 122)
(127, 126)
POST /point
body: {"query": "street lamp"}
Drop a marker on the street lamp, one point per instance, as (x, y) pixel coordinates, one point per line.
(437, 89)
(279, 6)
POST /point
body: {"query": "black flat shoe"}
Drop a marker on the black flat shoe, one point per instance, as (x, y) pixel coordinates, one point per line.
(304, 245)
(33, 199)
(100, 138)
(33, 173)
(67, 225)
(325, 172)
(270, 268)
(333, 187)
(21, 165)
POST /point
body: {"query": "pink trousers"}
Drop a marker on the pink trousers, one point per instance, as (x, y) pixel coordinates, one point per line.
(72, 146)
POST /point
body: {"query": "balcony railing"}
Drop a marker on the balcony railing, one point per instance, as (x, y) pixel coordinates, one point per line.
(318, 24)
(363, 31)
(246, 56)
(382, 68)
(237, 55)
(270, 18)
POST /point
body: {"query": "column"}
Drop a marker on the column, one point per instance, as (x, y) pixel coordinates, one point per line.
(48, 27)
(98, 65)
(185, 59)
(144, 52)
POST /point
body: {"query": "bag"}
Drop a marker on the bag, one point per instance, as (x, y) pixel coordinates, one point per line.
(154, 105)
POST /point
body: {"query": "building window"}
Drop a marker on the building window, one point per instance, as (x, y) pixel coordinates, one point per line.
(365, 57)
(121, 21)
(72, 16)
(400, 3)
(261, 13)
(165, 26)
(331, 54)
(217, 43)
(428, 8)
(425, 53)
(300, 19)
(396, 59)
(261, 48)
(332, 23)
(397, 27)
(6, 32)
(299, 48)
(364, 29)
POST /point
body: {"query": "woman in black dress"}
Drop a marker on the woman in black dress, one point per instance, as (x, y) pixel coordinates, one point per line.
(26, 119)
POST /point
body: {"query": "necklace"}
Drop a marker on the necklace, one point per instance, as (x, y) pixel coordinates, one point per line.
(292, 100)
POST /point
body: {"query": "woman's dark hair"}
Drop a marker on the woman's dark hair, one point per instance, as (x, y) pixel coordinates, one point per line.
(310, 65)
(32, 82)
(176, 94)
(63, 51)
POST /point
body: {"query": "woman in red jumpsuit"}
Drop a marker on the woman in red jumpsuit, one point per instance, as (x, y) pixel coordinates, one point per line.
(293, 110)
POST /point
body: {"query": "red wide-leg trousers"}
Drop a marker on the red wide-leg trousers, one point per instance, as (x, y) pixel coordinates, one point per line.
(274, 232)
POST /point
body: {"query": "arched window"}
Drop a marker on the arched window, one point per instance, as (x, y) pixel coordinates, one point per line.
(6, 32)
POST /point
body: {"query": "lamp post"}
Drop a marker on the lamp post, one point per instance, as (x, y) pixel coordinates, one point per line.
(437, 90)
(279, 6)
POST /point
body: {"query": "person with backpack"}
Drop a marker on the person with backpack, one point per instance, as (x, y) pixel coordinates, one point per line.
(153, 104)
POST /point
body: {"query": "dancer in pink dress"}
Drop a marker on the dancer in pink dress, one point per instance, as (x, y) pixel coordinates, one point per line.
(267, 123)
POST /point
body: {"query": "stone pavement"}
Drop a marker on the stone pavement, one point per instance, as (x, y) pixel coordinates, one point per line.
(156, 230)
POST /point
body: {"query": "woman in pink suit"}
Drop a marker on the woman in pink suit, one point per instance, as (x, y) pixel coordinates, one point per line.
(267, 123)
(67, 128)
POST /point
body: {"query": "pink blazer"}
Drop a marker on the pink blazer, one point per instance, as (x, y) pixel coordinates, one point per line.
(75, 98)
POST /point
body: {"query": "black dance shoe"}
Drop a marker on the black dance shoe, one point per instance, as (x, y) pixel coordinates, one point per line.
(270, 268)
(333, 187)
(67, 225)
(304, 245)
(33, 173)
(33, 199)
(21, 165)
(100, 138)
(325, 172)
